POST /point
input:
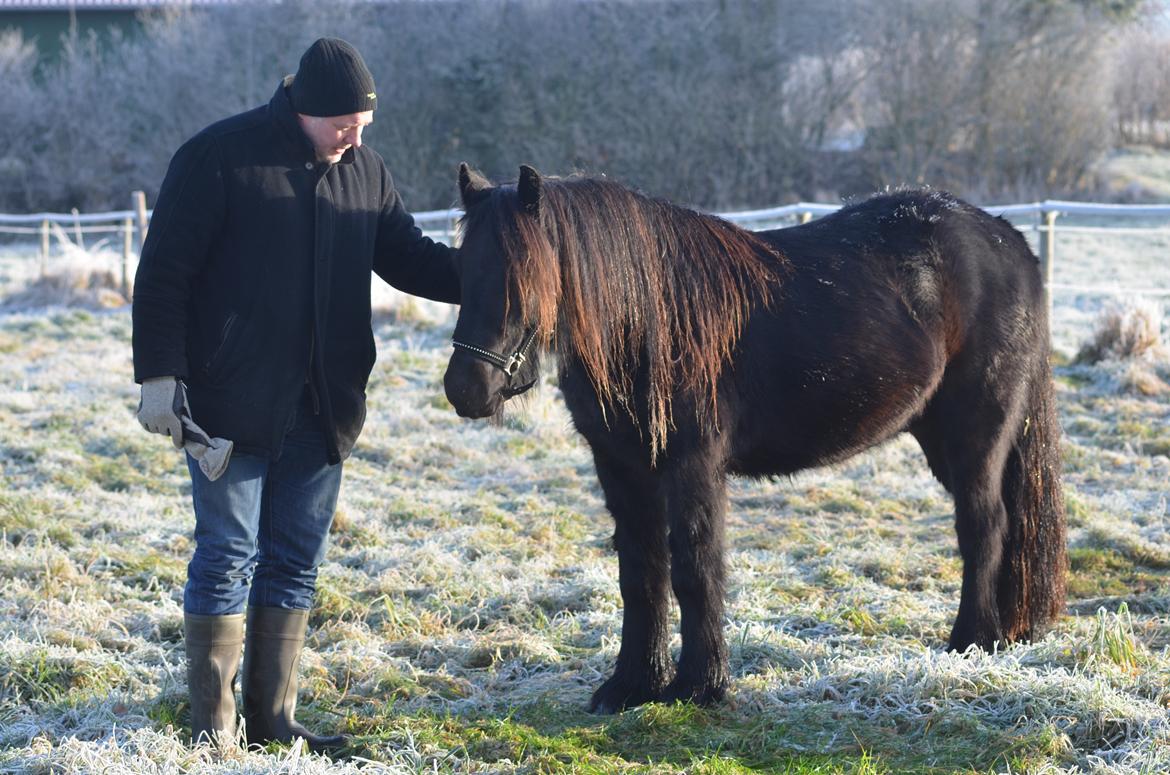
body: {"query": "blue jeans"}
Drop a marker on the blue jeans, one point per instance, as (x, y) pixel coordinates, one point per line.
(264, 524)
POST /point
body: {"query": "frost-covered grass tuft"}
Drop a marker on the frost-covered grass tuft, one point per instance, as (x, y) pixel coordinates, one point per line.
(138, 751)
(469, 602)
(74, 276)
(1132, 331)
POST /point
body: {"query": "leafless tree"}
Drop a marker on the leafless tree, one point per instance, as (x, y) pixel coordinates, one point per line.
(1141, 88)
(716, 103)
(988, 96)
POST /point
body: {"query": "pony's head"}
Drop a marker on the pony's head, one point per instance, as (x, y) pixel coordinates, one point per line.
(647, 299)
(507, 309)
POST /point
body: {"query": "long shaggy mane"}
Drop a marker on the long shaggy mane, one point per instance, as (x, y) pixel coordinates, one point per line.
(623, 282)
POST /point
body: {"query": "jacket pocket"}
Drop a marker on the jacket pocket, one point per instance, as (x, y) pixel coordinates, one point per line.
(227, 336)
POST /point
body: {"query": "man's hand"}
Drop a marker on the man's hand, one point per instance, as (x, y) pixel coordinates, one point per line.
(161, 408)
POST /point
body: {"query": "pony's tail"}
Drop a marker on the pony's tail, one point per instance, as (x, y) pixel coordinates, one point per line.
(1032, 580)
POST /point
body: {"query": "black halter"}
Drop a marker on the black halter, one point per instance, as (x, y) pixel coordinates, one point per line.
(510, 364)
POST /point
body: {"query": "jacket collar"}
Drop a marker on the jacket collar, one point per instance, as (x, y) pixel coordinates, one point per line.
(283, 115)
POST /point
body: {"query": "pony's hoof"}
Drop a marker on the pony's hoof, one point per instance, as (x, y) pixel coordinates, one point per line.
(700, 693)
(615, 695)
(989, 639)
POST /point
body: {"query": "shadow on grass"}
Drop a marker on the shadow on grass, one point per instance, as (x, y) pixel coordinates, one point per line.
(550, 736)
(559, 736)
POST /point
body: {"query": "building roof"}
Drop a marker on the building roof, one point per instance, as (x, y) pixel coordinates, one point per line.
(103, 5)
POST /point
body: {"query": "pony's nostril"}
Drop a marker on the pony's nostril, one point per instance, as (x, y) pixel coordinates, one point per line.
(471, 387)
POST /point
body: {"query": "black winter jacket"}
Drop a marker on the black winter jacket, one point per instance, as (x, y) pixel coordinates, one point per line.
(255, 278)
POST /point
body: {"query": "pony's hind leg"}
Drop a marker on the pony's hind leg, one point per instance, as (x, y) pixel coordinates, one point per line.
(643, 664)
(697, 506)
(981, 522)
(966, 434)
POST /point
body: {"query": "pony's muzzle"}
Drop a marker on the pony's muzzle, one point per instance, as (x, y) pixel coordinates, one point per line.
(472, 386)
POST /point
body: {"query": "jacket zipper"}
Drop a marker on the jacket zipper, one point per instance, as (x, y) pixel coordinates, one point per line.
(309, 379)
(223, 339)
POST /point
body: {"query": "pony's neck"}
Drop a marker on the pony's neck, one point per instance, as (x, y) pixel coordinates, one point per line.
(647, 287)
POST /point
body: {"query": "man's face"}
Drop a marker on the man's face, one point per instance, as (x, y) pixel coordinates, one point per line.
(332, 136)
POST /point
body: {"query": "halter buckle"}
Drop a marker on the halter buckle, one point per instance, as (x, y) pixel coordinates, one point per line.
(514, 363)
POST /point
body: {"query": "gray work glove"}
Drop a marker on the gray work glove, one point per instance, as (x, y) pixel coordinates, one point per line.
(213, 454)
(162, 406)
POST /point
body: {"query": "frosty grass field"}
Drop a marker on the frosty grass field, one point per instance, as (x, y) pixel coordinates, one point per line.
(470, 604)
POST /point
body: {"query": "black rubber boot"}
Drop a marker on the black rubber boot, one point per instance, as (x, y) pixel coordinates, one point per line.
(213, 656)
(272, 655)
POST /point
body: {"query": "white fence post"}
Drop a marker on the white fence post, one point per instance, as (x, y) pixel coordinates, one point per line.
(127, 246)
(138, 204)
(77, 229)
(1048, 254)
(44, 247)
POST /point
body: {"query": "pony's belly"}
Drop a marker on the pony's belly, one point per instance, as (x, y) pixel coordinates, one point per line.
(827, 426)
(780, 457)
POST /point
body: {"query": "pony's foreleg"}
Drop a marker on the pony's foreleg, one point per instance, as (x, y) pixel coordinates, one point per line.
(643, 665)
(697, 506)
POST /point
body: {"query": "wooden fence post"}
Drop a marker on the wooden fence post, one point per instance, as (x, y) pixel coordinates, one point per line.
(1048, 255)
(138, 200)
(127, 246)
(44, 247)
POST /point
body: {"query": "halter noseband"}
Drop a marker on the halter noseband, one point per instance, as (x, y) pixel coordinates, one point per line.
(510, 364)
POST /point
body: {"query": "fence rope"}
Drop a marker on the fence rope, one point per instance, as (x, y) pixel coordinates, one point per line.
(441, 224)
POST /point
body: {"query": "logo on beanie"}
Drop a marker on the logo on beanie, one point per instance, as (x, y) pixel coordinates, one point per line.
(371, 96)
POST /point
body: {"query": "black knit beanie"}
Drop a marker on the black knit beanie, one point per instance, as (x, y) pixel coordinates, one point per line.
(332, 81)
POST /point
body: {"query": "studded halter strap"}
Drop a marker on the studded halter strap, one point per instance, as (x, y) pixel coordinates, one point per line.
(509, 364)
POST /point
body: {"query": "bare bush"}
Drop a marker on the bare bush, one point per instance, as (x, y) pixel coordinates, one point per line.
(1129, 332)
(711, 106)
(988, 97)
(71, 285)
(1141, 88)
(17, 61)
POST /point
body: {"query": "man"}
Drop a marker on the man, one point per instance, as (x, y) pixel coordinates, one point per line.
(252, 310)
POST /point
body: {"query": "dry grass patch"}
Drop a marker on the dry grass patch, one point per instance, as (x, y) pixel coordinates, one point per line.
(1132, 331)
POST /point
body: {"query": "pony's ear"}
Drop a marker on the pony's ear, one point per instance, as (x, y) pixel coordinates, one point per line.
(472, 186)
(529, 189)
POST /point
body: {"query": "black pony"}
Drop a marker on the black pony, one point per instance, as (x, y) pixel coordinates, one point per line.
(690, 349)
